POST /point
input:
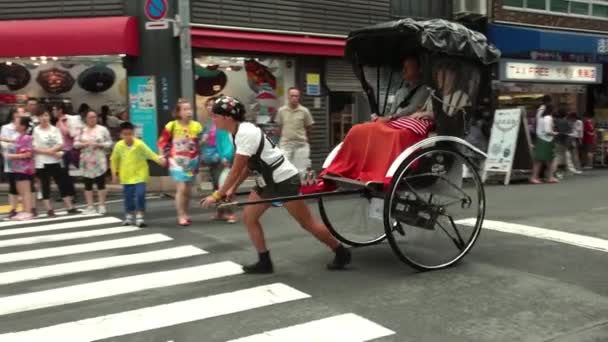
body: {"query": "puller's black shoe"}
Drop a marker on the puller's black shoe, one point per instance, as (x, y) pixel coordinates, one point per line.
(263, 266)
(342, 258)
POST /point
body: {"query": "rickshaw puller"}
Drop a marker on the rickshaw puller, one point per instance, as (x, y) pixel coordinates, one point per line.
(254, 151)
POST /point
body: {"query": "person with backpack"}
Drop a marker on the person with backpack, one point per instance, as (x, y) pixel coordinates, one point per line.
(180, 144)
(277, 177)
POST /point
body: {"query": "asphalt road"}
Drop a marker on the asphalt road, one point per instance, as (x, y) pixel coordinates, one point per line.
(510, 287)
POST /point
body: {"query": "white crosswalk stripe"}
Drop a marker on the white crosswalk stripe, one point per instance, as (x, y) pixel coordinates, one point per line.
(158, 248)
(348, 327)
(97, 264)
(59, 226)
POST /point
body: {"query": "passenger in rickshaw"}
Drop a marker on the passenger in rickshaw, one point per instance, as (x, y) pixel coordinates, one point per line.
(369, 149)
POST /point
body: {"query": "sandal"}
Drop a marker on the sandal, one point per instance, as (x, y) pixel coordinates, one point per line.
(553, 181)
(231, 219)
(183, 222)
(535, 181)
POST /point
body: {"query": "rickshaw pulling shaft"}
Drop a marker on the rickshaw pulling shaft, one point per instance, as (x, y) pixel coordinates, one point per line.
(293, 198)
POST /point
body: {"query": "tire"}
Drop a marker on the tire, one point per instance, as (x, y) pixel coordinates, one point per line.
(347, 219)
(408, 207)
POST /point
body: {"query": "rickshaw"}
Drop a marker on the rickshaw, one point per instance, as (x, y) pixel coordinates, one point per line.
(430, 215)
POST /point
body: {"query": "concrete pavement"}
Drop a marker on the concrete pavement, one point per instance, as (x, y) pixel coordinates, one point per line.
(509, 288)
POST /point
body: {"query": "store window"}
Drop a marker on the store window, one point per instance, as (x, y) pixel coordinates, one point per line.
(514, 3)
(600, 10)
(537, 4)
(579, 8)
(588, 8)
(259, 82)
(562, 6)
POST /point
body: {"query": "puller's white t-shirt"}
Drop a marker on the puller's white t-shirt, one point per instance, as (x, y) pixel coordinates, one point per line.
(247, 140)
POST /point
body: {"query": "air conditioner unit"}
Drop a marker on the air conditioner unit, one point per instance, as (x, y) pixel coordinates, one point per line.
(470, 8)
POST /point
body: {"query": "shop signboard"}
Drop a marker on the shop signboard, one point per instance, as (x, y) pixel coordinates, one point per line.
(313, 84)
(602, 46)
(503, 142)
(557, 72)
(142, 108)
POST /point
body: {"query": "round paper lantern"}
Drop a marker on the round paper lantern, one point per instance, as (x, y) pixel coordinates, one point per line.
(209, 81)
(15, 76)
(55, 81)
(97, 79)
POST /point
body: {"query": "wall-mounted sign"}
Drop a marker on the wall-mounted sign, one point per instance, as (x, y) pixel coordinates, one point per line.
(142, 108)
(602, 46)
(156, 9)
(534, 71)
(313, 84)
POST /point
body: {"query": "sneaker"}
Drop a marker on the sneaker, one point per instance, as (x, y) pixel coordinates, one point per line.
(39, 195)
(89, 211)
(23, 217)
(139, 221)
(51, 213)
(342, 258)
(128, 220)
(102, 210)
(74, 211)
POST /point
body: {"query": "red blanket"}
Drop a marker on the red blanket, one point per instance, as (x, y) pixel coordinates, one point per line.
(369, 149)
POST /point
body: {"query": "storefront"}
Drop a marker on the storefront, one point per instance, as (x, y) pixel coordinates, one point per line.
(259, 68)
(525, 82)
(567, 65)
(44, 60)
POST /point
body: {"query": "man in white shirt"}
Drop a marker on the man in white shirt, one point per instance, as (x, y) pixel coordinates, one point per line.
(295, 122)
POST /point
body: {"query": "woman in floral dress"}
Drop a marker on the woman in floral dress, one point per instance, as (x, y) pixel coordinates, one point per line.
(180, 143)
(94, 143)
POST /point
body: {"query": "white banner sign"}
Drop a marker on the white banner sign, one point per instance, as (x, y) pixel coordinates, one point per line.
(503, 140)
(551, 72)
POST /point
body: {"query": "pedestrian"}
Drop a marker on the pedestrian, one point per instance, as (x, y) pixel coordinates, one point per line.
(48, 155)
(94, 143)
(217, 155)
(295, 122)
(70, 127)
(563, 141)
(544, 148)
(180, 144)
(22, 165)
(589, 141)
(576, 136)
(279, 177)
(129, 165)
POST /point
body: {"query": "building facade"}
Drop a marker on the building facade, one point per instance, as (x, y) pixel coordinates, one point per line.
(553, 47)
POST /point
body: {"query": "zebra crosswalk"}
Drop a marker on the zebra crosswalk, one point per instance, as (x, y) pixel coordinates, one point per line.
(46, 251)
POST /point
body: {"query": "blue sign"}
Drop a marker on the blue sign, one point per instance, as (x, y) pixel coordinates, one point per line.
(142, 108)
(156, 9)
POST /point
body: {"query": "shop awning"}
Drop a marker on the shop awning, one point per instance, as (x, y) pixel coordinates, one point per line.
(513, 40)
(267, 42)
(69, 37)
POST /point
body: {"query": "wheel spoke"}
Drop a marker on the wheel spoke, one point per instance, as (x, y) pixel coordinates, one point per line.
(459, 244)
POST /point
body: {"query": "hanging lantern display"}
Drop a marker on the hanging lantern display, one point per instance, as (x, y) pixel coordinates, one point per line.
(97, 79)
(210, 80)
(55, 81)
(14, 76)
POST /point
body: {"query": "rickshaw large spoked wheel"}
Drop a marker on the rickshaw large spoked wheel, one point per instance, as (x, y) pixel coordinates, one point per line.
(431, 217)
(355, 219)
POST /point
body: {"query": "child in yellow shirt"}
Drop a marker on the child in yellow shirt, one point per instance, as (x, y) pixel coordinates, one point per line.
(129, 162)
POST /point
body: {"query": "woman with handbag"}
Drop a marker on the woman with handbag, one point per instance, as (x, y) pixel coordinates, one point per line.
(94, 143)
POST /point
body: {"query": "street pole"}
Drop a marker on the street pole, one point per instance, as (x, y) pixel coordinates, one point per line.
(187, 74)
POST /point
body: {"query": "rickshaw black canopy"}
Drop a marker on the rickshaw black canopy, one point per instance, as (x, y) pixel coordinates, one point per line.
(386, 43)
